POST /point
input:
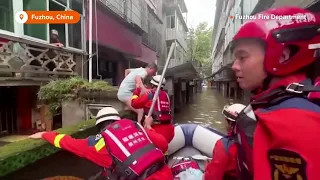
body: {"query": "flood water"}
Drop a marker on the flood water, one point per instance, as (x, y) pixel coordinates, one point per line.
(205, 108)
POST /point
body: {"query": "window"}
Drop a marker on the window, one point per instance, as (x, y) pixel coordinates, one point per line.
(35, 30)
(6, 15)
(171, 23)
(65, 2)
(168, 21)
(69, 34)
(61, 28)
(74, 30)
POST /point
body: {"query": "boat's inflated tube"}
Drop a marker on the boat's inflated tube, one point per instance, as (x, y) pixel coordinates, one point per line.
(196, 136)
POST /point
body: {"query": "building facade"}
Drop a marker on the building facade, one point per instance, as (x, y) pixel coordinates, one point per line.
(28, 59)
(225, 28)
(176, 30)
(126, 34)
(181, 72)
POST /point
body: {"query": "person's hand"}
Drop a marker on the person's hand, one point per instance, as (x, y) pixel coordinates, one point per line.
(37, 135)
(59, 45)
(148, 121)
(144, 90)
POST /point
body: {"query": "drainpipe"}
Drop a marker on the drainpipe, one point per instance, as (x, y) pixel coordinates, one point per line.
(90, 41)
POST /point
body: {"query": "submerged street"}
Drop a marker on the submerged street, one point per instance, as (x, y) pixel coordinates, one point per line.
(205, 109)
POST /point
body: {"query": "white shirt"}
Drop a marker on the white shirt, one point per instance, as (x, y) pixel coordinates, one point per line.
(129, 83)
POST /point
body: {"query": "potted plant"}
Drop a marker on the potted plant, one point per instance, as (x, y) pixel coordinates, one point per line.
(57, 92)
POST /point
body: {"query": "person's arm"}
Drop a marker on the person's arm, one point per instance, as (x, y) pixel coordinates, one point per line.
(95, 153)
(139, 102)
(126, 72)
(219, 163)
(63, 141)
(142, 74)
(139, 82)
(157, 139)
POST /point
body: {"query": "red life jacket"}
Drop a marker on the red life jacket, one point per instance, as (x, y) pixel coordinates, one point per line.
(230, 173)
(183, 165)
(134, 155)
(162, 109)
(246, 122)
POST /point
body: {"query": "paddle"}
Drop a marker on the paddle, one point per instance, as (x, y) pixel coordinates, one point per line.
(155, 97)
(197, 157)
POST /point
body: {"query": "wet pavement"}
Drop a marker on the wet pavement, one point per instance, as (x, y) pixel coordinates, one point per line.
(205, 109)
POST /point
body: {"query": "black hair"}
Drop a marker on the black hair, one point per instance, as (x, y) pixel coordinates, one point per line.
(153, 86)
(231, 123)
(104, 124)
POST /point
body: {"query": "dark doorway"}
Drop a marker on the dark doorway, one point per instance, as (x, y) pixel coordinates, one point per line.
(8, 110)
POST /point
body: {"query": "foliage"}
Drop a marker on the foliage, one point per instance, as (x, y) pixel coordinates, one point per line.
(207, 68)
(58, 91)
(199, 43)
(19, 154)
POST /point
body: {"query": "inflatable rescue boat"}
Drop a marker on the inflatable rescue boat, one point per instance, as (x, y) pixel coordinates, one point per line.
(193, 140)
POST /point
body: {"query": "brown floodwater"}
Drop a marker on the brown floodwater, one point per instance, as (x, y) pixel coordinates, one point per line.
(205, 109)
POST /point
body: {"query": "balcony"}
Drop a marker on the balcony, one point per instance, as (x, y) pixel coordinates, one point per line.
(35, 62)
(173, 34)
(174, 3)
(133, 12)
(175, 62)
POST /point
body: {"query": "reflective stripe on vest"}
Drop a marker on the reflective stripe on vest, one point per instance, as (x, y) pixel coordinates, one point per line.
(57, 140)
(99, 145)
(158, 112)
(134, 97)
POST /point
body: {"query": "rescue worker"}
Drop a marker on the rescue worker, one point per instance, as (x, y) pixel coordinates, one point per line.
(223, 163)
(162, 110)
(134, 79)
(278, 131)
(96, 150)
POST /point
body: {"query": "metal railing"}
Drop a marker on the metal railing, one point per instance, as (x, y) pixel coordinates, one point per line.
(23, 59)
(132, 11)
(173, 34)
(153, 38)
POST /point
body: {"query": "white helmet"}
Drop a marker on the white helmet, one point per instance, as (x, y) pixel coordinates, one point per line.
(107, 114)
(156, 79)
(231, 112)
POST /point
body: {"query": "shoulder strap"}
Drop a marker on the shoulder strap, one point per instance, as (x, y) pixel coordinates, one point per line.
(227, 142)
(283, 93)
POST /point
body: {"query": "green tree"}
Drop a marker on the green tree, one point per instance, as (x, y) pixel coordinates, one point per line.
(199, 43)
